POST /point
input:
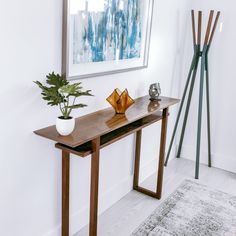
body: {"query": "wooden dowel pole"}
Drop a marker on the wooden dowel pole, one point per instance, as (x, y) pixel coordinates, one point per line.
(208, 30)
(214, 27)
(188, 104)
(193, 28)
(199, 27)
(181, 107)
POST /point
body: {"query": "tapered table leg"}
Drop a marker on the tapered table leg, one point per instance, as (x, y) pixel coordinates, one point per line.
(157, 193)
(162, 153)
(65, 192)
(94, 187)
(137, 158)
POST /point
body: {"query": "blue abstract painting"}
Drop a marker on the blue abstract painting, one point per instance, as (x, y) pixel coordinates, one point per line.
(110, 32)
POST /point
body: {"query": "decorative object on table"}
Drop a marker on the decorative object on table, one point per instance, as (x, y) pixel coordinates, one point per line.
(203, 54)
(155, 92)
(198, 209)
(103, 37)
(58, 92)
(120, 101)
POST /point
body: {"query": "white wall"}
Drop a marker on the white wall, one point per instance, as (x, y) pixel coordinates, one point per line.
(30, 178)
(222, 90)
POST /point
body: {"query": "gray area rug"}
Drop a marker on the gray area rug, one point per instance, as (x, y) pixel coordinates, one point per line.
(192, 210)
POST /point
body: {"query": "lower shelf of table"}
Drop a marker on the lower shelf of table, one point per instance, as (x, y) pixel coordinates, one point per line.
(109, 138)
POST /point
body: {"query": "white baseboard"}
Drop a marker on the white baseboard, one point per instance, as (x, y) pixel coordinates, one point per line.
(106, 200)
(220, 161)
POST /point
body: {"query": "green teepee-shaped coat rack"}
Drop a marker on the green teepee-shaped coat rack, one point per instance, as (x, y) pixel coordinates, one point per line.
(203, 54)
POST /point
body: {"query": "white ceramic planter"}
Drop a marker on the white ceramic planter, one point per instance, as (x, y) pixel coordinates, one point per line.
(65, 127)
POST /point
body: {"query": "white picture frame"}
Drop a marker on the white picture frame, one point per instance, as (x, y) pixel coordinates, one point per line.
(88, 69)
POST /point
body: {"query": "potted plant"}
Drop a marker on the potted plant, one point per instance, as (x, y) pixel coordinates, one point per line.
(59, 92)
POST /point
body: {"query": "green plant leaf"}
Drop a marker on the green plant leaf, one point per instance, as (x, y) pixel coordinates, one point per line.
(50, 93)
(56, 80)
(77, 106)
(80, 93)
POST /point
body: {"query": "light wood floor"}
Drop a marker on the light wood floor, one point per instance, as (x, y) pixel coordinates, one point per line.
(127, 214)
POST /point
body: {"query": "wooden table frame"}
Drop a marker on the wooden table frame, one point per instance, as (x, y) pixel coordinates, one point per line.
(126, 126)
(160, 172)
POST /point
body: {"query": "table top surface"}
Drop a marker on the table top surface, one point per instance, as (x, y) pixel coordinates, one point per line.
(96, 124)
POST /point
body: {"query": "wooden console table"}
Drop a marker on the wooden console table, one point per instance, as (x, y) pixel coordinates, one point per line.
(100, 129)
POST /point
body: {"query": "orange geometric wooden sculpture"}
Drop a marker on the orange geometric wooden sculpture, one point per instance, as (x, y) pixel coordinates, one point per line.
(120, 101)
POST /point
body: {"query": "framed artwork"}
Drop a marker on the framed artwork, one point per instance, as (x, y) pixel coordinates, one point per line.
(105, 36)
